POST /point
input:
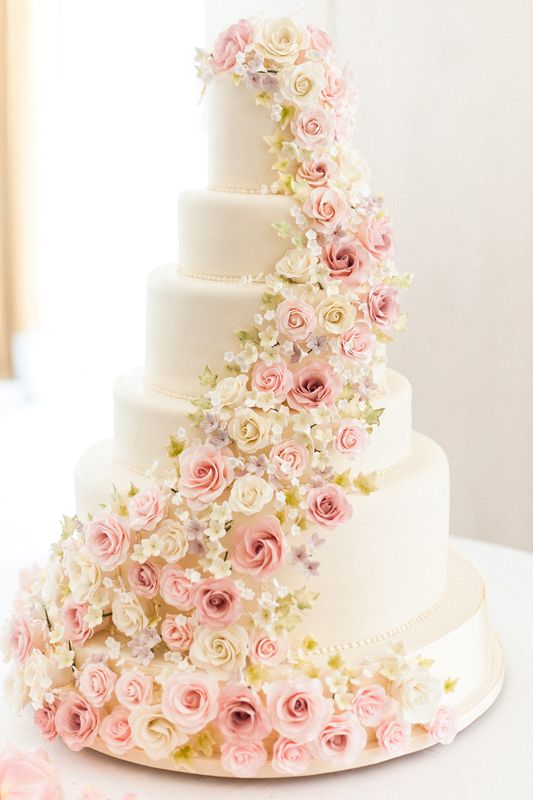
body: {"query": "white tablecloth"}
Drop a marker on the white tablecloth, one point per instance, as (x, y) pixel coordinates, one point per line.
(491, 760)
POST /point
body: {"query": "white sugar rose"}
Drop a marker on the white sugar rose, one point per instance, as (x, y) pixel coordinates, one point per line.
(302, 83)
(154, 733)
(418, 695)
(280, 40)
(221, 653)
(83, 575)
(249, 430)
(128, 614)
(172, 541)
(250, 494)
(230, 392)
(41, 676)
(296, 265)
(335, 314)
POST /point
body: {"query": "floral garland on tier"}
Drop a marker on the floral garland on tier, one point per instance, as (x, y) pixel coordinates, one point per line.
(160, 623)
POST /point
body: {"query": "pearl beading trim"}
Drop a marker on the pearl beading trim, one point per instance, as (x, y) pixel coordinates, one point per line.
(211, 276)
(236, 190)
(168, 392)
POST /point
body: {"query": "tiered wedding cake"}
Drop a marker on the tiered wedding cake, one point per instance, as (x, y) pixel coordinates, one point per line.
(276, 595)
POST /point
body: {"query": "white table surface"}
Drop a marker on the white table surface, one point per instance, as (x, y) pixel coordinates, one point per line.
(491, 760)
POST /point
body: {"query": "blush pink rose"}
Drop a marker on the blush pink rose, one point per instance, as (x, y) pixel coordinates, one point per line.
(384, 306)
(242, 760)
(376, 236)
(328, 506)
(25, 635)
(295, 319)
(336, 89)
(76, 721)
(134, 689)
(190, 700)
(341, 739)
(314, 384)
(351, 438)
(242, 717)
(443, 726)
(393, 736)
(259, 547)
(205, 472)
(45, 719)
(316, 173)
(298, 708)
(144, 579)
(275, 378)
(74, 624)
(319, 40)
(96, 683)
(230, 43)
(175, 587)
(115, 731)
(371, 704)
(347, 260)
(327, 207)
(147, 508)
(289, 459)
(313, 127)
(217, 602)
(358, 343)
(107, 541)
(290, 758)
(177, 632)
(28, 776)
(264, 649)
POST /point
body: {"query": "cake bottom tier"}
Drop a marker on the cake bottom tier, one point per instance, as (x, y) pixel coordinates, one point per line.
(456, 636)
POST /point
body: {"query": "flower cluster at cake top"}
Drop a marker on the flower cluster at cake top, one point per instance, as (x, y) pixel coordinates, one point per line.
(168, 621)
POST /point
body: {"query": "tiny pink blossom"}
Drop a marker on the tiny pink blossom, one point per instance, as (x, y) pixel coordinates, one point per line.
(108, 541)
(242, 717)
(328, 506)
(76, 721)
(259, 547)
(264, 649)
(327, 207)
(351, 438)
(217, 602)
(371, 704)
(298, 708)
(175, 587)
(290, 758)
(313, 128)
(242, 760)
(177, 632)
(115, 731)
(231, 42)
(393, 736)
(144, 579)
(358, 343)
(295, 319)
(347, 259)
(28, 776)
(134, 689)
(289, 459)
(96, 683)
(443, 726)
(275, 378)
(147, 508)
(383, 306)
(75, 626)
(341, 739)
(190, 700)
(45, 719)
(315, 384)
(376, 235)
(205, 472)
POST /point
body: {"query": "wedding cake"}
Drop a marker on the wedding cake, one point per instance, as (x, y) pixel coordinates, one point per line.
(258, 580)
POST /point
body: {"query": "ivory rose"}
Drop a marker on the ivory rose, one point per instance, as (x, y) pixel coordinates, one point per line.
(371, 704)
(115, 731)
(144, 579)
(316, 173)
(242, 760)
(275, 378)
(175, 587)
(231, 42)
(250, 494)
(230, 392)
(176, 632)
(23, 635)
(76, 721)
(280, 40)
(96, 683)
(443, 726)
(347, 259)
(259, 547)
(314, 384)
(384, 306)
(328, 506)
(335, 314)
(295, 319)
(327, 207)
(205, 472)
(84, 575)
(190, 700)
(147, 508)
(290, 758)
(133, 688)
(128, 614)
(172, 540)
(351, 438)
(107, 540)
(74, 623)
(289, 459)
(41, 676)
(376, 235)
(28, 776)
(312, 128)
(264, 649)
(298, 708)
(393, 736)
(341, 739)
(217, 602)
(302, 84)
(45, 719)
(221, 653)
(152, 732)
(297, 265)
(242, 717)
(418, 695)
(358, 343)
(249, 430)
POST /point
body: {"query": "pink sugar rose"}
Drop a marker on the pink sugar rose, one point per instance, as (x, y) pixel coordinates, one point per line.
(242, 760)
(190, 700)
(231, 42)
(25, 635)
(74, 624)
(259, 547)
(289, 459)
(76, 721)
(341, 739)
(177, 632)
(347, 260)
(242, 717)
(218, 602)
(371, 704)
(376, 235)
(316, 173)
(358, 343)
(144, 579)
(28, 776)
(96, 683)
(290, 758)
(328, 506)
(115, 731)
(443, 726)
(314, 384)
(266, 650)
(336, 88)
(147, 508)
(205, 472)
(384, 306)
(319, 40)
(351, 438)
(134, 688)
(393, 736)
(298, 708)
(275, 378)
(107, 541)
(296, 319)
(175, 587)
(327, 207)
(45, 719)
(313, 127)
